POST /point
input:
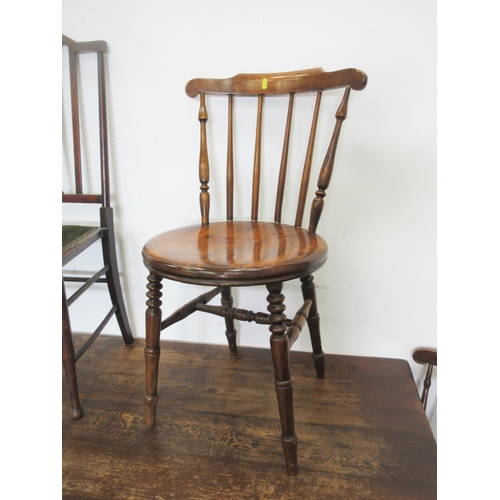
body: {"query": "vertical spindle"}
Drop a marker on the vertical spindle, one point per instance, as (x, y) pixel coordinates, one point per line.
(256, 161)
(204, 166)
(284, 162)
(325, 174)
(306, 172)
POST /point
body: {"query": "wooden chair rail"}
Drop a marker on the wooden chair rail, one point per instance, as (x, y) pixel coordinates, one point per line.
(279, 83)
(96, 333)
(88, 282)
(81, 198)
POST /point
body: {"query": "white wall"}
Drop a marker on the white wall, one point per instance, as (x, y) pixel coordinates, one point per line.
(377, 292)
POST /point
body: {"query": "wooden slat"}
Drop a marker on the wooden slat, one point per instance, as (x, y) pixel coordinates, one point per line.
(75, 121)
(306, 173)
(230, 161)
(204, 166)
(256, 161)
(81, 198)
(284, 162)
(326, 172)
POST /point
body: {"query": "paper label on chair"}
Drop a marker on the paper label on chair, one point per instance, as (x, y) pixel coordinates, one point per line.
(264, 83)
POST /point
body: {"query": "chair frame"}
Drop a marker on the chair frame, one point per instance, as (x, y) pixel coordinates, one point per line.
(109, 274)
(284, 331)
(426, 356)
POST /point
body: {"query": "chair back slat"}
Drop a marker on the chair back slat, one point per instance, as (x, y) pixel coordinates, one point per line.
(204, 166)
(230, 161)
(75, 121)
(80, 195)
(261, 85)
(256, 161)
(306, 173)
(284, 162)
(326, 171)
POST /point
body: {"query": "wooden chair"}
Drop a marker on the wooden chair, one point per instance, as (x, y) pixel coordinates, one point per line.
(426, 356)
(77, 238)
(251, 252)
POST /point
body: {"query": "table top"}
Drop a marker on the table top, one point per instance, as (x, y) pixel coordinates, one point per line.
(362, 431)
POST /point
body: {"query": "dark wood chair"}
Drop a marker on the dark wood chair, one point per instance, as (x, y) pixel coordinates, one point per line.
(426, 356)
(77, 238)
(252, 252)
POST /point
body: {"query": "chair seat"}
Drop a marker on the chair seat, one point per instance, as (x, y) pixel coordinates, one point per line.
(235, 253)
(76, 238)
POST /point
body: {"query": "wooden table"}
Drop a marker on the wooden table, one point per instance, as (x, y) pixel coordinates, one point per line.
(362, 431)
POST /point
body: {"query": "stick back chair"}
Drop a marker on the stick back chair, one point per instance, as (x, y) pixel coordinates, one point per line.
(426, 356)
(77, 238)
(242, 253)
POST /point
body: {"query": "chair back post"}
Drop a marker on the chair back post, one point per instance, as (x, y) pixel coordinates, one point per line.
(326, 172)
(103, 130)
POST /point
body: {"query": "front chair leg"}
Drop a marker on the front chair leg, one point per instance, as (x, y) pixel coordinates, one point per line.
(283, 382)
(309, 292)
(152, 349)
(68, 358)
(227, 302)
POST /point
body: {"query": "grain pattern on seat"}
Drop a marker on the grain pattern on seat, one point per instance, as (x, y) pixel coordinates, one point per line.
(235, 253)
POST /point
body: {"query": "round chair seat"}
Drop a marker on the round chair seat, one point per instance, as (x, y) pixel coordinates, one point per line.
(235, 253)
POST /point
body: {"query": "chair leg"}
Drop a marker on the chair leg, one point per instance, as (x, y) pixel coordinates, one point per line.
(283, 382)
(152, 349)
(68, 358)
(113, 276)
(227, 302)
(309, 292)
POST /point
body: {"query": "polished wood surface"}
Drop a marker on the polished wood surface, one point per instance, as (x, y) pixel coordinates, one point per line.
(235, 253)
(362, 430)
(308, 80)
(256, 251)
(76, 240)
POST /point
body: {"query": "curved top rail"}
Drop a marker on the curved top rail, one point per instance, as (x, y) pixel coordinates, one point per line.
(279, 83)
(95, 46)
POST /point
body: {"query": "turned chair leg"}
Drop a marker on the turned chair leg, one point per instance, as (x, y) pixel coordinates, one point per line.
(283, 382)
(68, 358)
(227, 302)
(113, 276)
(152, 349)
(309, 292)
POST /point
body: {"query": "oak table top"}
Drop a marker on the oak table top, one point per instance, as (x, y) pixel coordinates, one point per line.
(362, 431)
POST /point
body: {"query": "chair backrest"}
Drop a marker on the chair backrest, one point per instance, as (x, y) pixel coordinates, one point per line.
(261, 86)
(426, 356)
(80, 193)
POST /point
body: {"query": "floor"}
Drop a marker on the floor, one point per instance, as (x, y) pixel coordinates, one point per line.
(362, 434)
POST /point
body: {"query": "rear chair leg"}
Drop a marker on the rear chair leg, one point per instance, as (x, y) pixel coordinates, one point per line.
(227, 302)
(283, 382)
(152, 349)
(309, 292)
(113, 276)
